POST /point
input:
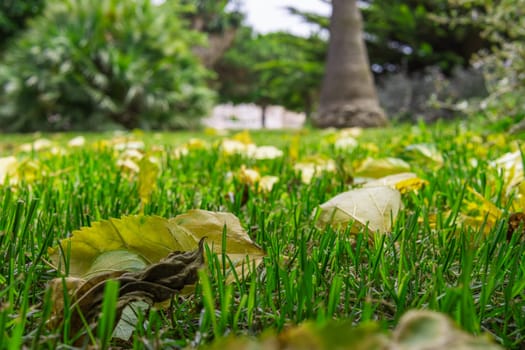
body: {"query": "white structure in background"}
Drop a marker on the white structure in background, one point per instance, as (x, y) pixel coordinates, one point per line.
(248, 116)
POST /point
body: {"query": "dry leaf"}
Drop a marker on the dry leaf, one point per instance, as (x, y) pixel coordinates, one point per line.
(78, 141)
(417, 330)
(149, 169)
(154, 284)
(428, 330)
(132, 242)
(376, 168)
(403, 182)
(8, 167)
(425, 153)
(372, 207)
(314, 166)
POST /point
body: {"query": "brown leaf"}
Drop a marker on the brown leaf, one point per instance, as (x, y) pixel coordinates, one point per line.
(156, 283)
(515, 220)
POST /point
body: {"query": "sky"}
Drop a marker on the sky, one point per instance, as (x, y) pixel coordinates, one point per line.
(271, 15)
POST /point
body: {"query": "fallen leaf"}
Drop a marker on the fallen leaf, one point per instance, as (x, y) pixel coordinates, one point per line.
(132, 242)
(425, 153)
(153, 284)
(403, 182)
(516, 225)
(417, 330)
(314, 166)
(8, 167)
(125, 144)
(78, 141)
(512, 166)
(231, 147)
(267, 182)
(264, 152)
(196, 224)
(421, 329)
(149, 169)
(243, 137)
(346, 143)
(376, 168)
(191, 145)
(372, 207)
(37, 145)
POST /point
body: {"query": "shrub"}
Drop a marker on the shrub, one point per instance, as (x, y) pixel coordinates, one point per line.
(504, 65)
(93, 64)
(14, 15)
(429, 95)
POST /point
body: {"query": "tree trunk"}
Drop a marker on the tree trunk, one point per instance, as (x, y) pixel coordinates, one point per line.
(264, 109)
(348, 97)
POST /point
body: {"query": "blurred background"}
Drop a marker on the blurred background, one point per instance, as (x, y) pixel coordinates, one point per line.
(97, 65)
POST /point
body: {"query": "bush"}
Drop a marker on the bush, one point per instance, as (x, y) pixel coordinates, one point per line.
(429, 95)
(504, 65)
(14, 15)
(93, 64)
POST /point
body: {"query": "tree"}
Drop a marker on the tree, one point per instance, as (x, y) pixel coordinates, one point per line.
(413, 35)
(14, 15)
(219, 20)
(275, 68)
(348, 97)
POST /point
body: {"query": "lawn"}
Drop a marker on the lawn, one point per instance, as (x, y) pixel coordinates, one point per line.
(450, 248)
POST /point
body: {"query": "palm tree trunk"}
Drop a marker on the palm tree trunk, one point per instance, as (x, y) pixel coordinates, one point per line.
(348, 97)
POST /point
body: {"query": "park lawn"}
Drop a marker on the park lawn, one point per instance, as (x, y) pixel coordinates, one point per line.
(449, 249)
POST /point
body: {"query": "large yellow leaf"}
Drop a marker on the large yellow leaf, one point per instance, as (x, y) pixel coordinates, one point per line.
(133, 242)
(196, 224)
(374, 207)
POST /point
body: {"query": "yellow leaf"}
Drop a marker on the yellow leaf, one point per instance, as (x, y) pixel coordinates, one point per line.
(248, 176)
(425, 153)
(264, 152)
(133, 242)
(148, 172)
(243, 137)
(346, 143)
(314, 166)
(293, 150)
(267, 182)
(78, 141)
(230, 147)
(376, 168)
(512, 166)
(372, 207)
(403, 182)
(8, 166)
(37, 145)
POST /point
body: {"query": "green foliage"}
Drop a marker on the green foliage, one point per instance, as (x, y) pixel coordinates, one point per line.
(96, 64)
(412, 35)
(503, 25)
(275, 68)
(14, 15)
(211, 16)
(416, 34)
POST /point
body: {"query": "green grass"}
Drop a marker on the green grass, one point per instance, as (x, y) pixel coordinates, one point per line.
(427, 261)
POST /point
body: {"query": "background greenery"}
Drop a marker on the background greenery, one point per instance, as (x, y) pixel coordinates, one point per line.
(426, 56)
(94, 65)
